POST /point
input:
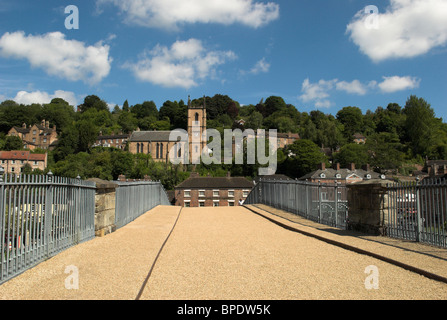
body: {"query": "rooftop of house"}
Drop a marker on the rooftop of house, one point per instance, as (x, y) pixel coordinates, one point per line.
(22, 155)
(342, 173)
(196, 182)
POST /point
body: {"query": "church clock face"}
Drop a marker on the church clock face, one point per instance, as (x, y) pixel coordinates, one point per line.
(196, 134)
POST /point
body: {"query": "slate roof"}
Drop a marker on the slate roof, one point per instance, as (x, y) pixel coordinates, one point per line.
(216, 183)
(147, 136)
(344, 173)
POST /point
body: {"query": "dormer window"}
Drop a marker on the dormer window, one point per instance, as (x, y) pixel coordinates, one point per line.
(323, 175)
(338, 176)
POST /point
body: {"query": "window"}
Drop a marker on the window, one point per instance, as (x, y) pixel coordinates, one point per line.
(187, 194)
(13, 169)
(202, 193)
(34, 140)
(215, 193)
(45, 140)
(231, 203)
(231, 193)
(201, 204)
(215, 203)
(34, 132)
(36, 163)
(13, 162)
(197, 117)
(245, 193)
(187, 204)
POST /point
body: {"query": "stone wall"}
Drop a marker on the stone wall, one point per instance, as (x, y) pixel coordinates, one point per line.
(368, 206)
(105, 202)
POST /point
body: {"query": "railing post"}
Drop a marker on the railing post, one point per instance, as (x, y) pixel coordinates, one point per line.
(48, 211)
(2, 213)
(336, 203)
(418, 212)
(319, 201)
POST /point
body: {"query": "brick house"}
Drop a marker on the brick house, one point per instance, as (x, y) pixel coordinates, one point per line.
(212, 191)
(13, 161)
(36, 136)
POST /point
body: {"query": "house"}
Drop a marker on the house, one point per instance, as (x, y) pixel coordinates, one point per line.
(118, 141)
(36, 136)
(199, 191)
(14, 161)
(359, 138)
(435, 168)
(344, 176)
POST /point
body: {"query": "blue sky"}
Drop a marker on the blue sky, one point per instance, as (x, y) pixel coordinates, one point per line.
(316, 54)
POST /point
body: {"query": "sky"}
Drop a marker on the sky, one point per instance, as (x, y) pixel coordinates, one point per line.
(316, 54)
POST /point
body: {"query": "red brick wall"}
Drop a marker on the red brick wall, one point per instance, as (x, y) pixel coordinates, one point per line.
(194, 199)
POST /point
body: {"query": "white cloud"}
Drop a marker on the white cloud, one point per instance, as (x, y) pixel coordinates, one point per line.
(319, 93)
(353, 87)
(408, 28)
(393, 84)
(68, 59)
(40, 97)
(261, 67)
(182, 65)
(169, 14)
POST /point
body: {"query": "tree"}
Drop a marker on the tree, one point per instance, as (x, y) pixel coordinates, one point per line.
(386, 151)
(420, 125)
(352, 120)
(146, 109)
(352, 153)
(13, 143)
(303, 157)
(93, 102)
(59, 113)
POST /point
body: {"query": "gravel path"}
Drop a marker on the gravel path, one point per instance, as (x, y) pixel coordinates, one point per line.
(234, 254)
(110, 268)
(215, 254)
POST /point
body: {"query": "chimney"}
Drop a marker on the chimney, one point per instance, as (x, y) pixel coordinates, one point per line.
(228, 174)
(352, 166)
(47, 124)
(323, 166)
(122, 178)
(366, 167)
(194, 175)
(24, 126)
(337, 166)
(43, 123)
(147, 178)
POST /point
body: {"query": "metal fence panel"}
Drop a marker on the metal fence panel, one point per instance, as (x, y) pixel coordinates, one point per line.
(323, 203)
(41, 216)
(134, 199)
(417, 211)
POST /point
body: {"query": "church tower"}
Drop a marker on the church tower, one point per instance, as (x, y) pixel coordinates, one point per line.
(196, 128)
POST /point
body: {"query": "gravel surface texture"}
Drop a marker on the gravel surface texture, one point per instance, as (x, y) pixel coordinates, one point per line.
(222, 254)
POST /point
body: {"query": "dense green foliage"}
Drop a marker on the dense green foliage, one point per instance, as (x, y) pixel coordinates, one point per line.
(397, 137)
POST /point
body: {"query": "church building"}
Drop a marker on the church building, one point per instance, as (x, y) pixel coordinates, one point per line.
(158, 143)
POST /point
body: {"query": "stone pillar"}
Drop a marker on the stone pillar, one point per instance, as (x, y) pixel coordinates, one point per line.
(105, 202)
(368, 206)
